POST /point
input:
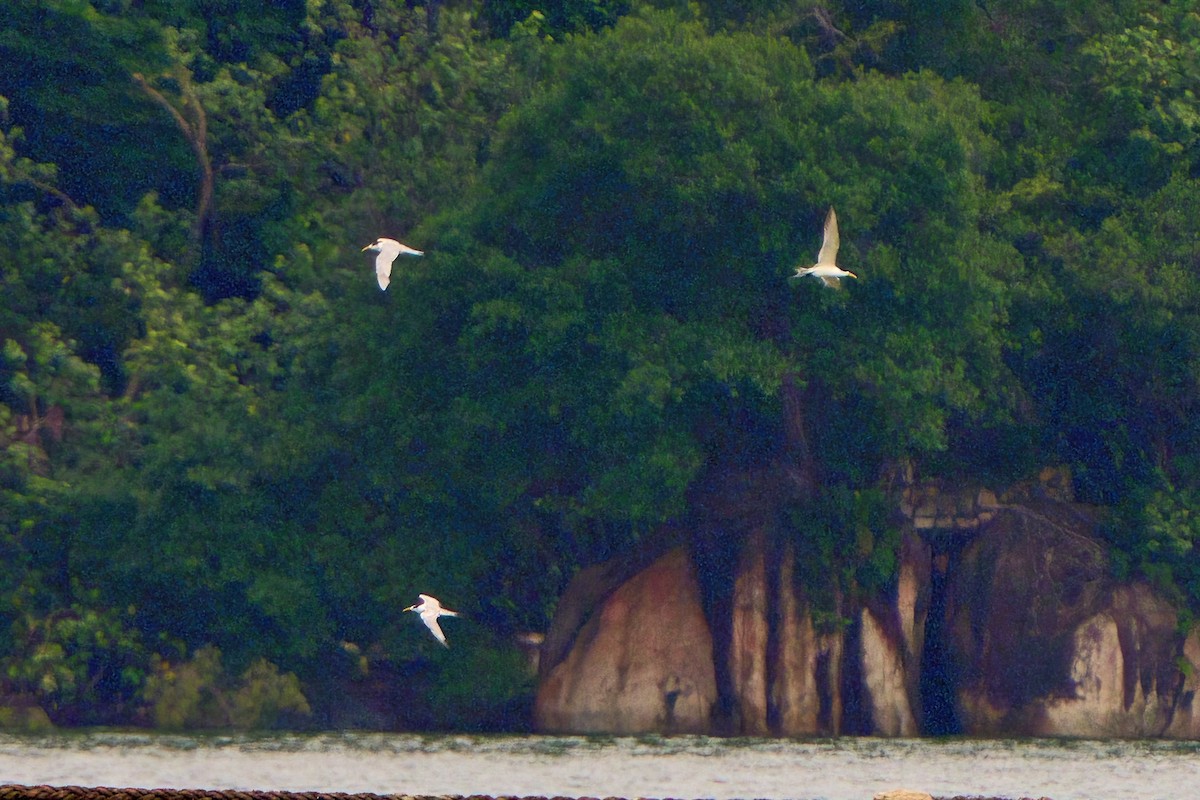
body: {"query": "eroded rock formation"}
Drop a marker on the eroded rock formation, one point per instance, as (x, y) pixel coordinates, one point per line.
(1004, 620)
(641, 662)
(1049, 644)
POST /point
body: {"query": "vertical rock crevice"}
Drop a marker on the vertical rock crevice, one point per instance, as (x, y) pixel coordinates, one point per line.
(939, 677)
(777, 628)
(716, 558)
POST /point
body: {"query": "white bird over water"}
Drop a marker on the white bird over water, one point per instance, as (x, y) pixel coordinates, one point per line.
(388, 249)
(826, 267)
(430, 609)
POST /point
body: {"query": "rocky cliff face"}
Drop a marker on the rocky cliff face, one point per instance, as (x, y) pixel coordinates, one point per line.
(641, 662)
(1010, 624)
(1047, 644)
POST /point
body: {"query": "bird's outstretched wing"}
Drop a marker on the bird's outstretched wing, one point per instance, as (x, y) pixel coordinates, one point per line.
(383, 268)
(387, 250)
(834, 283)
(829, 245)
(431, 622)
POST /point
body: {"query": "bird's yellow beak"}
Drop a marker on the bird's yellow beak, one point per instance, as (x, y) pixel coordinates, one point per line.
(852, 275)
(368, 247)
(410, 608)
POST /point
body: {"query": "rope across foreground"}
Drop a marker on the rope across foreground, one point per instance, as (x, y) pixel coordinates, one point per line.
(18, 792)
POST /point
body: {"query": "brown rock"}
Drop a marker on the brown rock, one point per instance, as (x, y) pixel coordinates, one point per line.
(1048, 644)
(748, 644)
(885, 681)
(1018, 592)
(1123, 671)
(912, 594)
(1035, 637)
(903, 794)
(583, 595)
(1185, 722)
(799, 680)
(643, 663)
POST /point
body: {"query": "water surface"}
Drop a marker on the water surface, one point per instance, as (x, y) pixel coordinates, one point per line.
(680, 767)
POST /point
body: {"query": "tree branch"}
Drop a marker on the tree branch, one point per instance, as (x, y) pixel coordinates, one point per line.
(196, 133)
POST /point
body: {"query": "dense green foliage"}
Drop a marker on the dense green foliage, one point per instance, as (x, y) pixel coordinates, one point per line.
(227, 460)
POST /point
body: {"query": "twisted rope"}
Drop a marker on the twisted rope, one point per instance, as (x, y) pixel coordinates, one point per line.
(18, 792)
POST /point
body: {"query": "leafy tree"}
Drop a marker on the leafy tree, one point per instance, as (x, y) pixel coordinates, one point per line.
(627, 326)
(78, 108)
(1145, 75)
(556, 17)
(202, 524)
(77, 654)
(400, 128)
(85, 665)
(696, 196)
(199, 693)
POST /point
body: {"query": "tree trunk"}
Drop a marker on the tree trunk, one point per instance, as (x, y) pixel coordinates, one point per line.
(195, 130)
(800, 463)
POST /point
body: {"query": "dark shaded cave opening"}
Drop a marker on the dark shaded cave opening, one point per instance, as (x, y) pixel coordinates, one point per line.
(715, 556)
(775, 631)
(939, 677)
(856, 710)
(825, 694)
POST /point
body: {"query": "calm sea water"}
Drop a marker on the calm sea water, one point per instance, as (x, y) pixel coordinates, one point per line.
(681, 767)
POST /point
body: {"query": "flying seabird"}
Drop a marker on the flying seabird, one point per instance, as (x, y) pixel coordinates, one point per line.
(826, 267)
(430, 609)
(388, 249)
